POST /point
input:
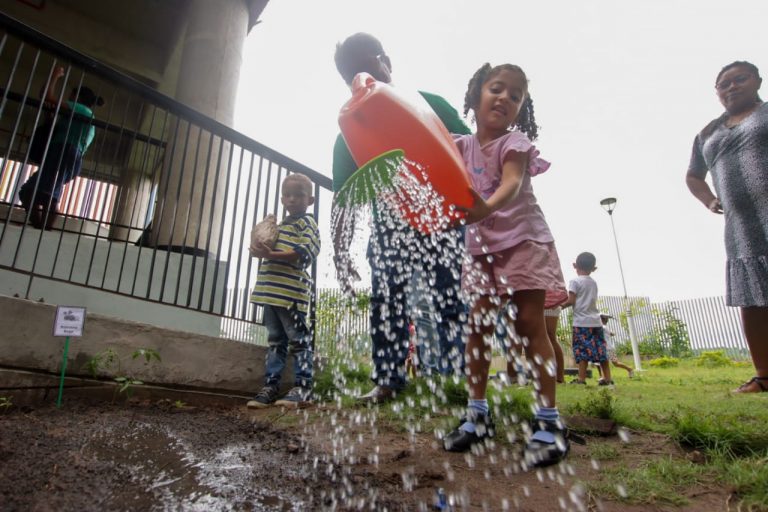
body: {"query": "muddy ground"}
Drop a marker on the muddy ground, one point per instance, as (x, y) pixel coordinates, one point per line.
(157, 455)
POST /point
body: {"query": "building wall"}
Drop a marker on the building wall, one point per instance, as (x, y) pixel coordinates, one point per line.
(189, 360)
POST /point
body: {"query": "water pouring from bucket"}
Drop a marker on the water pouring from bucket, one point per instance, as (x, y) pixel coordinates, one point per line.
(405, 155)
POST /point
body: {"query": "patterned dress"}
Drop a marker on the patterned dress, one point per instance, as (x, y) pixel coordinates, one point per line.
(737, 157)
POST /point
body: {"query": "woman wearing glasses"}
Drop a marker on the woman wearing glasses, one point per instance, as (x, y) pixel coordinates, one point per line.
(734, 148)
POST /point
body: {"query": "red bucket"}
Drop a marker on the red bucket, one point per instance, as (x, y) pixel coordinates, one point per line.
(377, 119)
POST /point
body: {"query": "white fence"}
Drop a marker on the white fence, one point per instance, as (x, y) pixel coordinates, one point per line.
(710, 324)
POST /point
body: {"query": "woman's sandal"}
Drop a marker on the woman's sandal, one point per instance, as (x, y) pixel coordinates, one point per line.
(762, 384)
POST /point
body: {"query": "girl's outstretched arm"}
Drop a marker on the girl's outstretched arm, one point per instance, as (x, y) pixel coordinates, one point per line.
(511, 179)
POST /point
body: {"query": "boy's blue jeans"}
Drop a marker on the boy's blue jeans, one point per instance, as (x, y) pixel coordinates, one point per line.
(287, 328)
(393, 257)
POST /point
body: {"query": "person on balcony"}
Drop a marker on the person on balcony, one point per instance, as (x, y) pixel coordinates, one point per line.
(72, 134)
(734, 148)
(391, 272)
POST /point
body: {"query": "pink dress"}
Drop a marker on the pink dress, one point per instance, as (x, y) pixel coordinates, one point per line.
(517, 236)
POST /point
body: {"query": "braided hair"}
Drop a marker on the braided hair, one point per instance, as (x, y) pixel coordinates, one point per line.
(525, 122)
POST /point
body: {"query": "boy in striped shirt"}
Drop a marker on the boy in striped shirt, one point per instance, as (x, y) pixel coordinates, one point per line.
(283, 288)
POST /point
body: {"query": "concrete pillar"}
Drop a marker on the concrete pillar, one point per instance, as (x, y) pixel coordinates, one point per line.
(133, 204)
(190, 207)
(129, 216)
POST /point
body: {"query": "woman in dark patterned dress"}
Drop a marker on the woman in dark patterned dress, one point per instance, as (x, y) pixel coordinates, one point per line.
(734, 148)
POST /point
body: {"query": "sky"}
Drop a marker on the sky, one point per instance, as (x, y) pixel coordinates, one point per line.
(620, 89)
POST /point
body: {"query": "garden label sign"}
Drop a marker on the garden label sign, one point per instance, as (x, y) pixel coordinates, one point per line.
(69, 323)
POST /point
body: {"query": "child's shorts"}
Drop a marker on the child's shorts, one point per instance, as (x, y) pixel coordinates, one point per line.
(612, 357)
(528, 265)
(589, 345)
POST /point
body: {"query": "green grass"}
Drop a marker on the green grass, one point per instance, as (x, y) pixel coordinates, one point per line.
(690, 403)
(603, 452)
(663, 480)
(749, 479)
(693, 405)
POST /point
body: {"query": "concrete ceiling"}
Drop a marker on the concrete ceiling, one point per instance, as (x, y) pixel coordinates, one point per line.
(156, 21)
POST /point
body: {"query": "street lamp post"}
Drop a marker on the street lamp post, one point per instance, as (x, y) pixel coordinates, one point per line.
(609, 204)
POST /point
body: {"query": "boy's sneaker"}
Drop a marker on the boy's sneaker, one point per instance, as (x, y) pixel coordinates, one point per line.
(263, 398)
(539, 454)
(296, 397)
(580, 382)
(459, 440)
(603, 382)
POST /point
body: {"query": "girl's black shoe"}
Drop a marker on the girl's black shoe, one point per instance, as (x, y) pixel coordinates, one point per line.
(459, 440)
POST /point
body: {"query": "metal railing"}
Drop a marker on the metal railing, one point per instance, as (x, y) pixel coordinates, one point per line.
(165, 200)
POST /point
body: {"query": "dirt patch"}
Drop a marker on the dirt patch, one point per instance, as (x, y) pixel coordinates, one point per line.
(382, 459)
(152, 455)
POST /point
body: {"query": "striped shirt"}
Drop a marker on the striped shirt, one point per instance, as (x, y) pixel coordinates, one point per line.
(285, 284)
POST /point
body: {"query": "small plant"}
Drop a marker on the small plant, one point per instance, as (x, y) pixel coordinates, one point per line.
(126, 385)
(110, 361)
(713, 359)
(6, 403)
(664, 362)
(179, 404)
(148, 354)
(101, 362)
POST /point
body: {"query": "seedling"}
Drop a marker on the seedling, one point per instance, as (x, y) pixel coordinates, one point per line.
(6, 403)
(148, 354)
(110, 360)
(126, 385)
(101, 362)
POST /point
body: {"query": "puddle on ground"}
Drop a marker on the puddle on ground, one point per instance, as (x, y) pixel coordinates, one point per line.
(146, 458)
(180, 475)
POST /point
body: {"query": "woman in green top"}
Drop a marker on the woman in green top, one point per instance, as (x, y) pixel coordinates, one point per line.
(72, 134)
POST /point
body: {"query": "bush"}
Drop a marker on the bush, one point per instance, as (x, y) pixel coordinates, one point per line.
(713, 359)
(650, 347)
(664, 362)
(673, 332)
(601, 405)
(669, 336)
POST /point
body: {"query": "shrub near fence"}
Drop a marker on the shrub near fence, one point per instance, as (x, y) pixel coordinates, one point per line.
(701, 324)
(341, 322)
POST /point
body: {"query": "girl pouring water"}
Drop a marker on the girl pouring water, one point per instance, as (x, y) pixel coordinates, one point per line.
(512, 257)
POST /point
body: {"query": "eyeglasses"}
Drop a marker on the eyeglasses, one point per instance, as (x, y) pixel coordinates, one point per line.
(738, 80)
